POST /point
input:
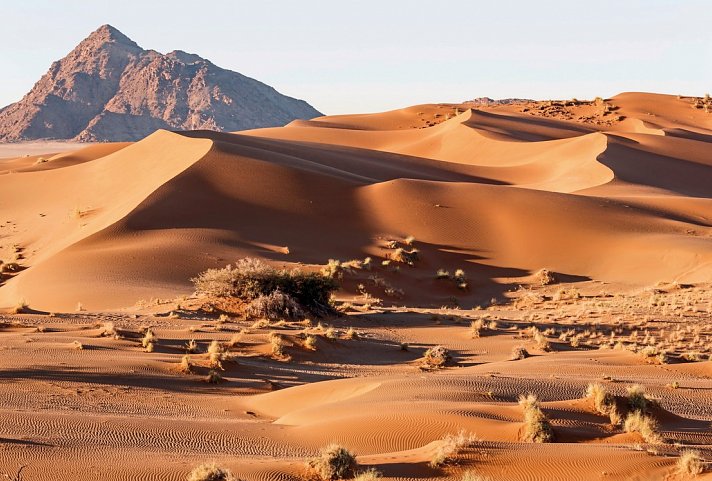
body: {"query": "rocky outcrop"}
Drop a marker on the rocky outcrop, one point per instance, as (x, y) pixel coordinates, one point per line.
(110, 89)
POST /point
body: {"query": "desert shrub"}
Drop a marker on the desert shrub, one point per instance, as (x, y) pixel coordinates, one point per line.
(537, 428)
(251, 278)
(215, 354)
(518, 353)
(370, 474)
(436, 357)
(185, 365)
(476, 328)
(191, 347)
(544, 277)
(637, 422)
(451, 446)
(310, 342)
(20, 307)
(603, 401)
(277, 344)
(690, 463)
(214, 377)
(77, 345)
(637, 399)
(334, 462)
(108, 330)
(351, 333)
(330, 333)
(404, 256)
(149, 340)
(275, 305)
(540, 339)
(211, 472)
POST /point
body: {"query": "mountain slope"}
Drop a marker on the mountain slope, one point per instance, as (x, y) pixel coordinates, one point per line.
(109, 88)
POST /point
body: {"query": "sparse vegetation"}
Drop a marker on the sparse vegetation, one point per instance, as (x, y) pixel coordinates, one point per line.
(273, 306)
(334, 462)
(149, 340)
(690, 463)
(544, 277)
(20, 308)
(370, 474)
(277, 344)
(214, 377)
(108, 330)
(436, 357)
(450, 446)
(637, 400)
(185, 365)
(250, 279)
(518, 353)
(191, 347)
(637, 422)
(603, 402)
(211, 472)
(310, 342)
(537, 428)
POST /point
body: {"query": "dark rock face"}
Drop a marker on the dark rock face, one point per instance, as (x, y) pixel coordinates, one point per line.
(110, 89)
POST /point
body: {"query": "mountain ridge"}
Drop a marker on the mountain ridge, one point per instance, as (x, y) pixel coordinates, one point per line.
(108, 88)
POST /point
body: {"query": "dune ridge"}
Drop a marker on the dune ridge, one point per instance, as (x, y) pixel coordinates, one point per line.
(475, 181)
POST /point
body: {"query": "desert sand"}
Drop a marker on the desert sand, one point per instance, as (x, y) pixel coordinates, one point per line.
(583, 229)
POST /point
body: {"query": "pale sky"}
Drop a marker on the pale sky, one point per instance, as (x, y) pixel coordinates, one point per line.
(346, 56)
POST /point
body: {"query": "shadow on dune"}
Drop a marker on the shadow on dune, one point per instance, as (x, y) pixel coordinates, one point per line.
(646, 168)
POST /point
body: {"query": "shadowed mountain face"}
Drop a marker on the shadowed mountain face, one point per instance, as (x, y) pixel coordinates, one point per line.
(109, 88)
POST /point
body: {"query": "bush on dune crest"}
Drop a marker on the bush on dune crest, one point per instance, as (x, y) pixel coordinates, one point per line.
(270, 292)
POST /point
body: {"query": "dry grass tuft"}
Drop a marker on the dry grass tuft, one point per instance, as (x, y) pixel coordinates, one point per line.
(436, 357)
(215, 354)
(273, 306)
(519, 353)
(108, 330)
(277, 344)
(603, 402)
(211, 472)
(370, 474)
(214, 377)
(191, 347)
(451, 446)
(334, 462)
(20, 308)
(185, 365)
(690, 463)
(537, 428)
(637, 399)
(149, 340)
(544, 277)
(310, 342)
(637, 422)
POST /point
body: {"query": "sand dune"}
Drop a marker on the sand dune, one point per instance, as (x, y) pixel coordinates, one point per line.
(475, 182)
(614, 197)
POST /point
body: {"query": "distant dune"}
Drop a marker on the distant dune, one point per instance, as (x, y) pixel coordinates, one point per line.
(616, 191)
